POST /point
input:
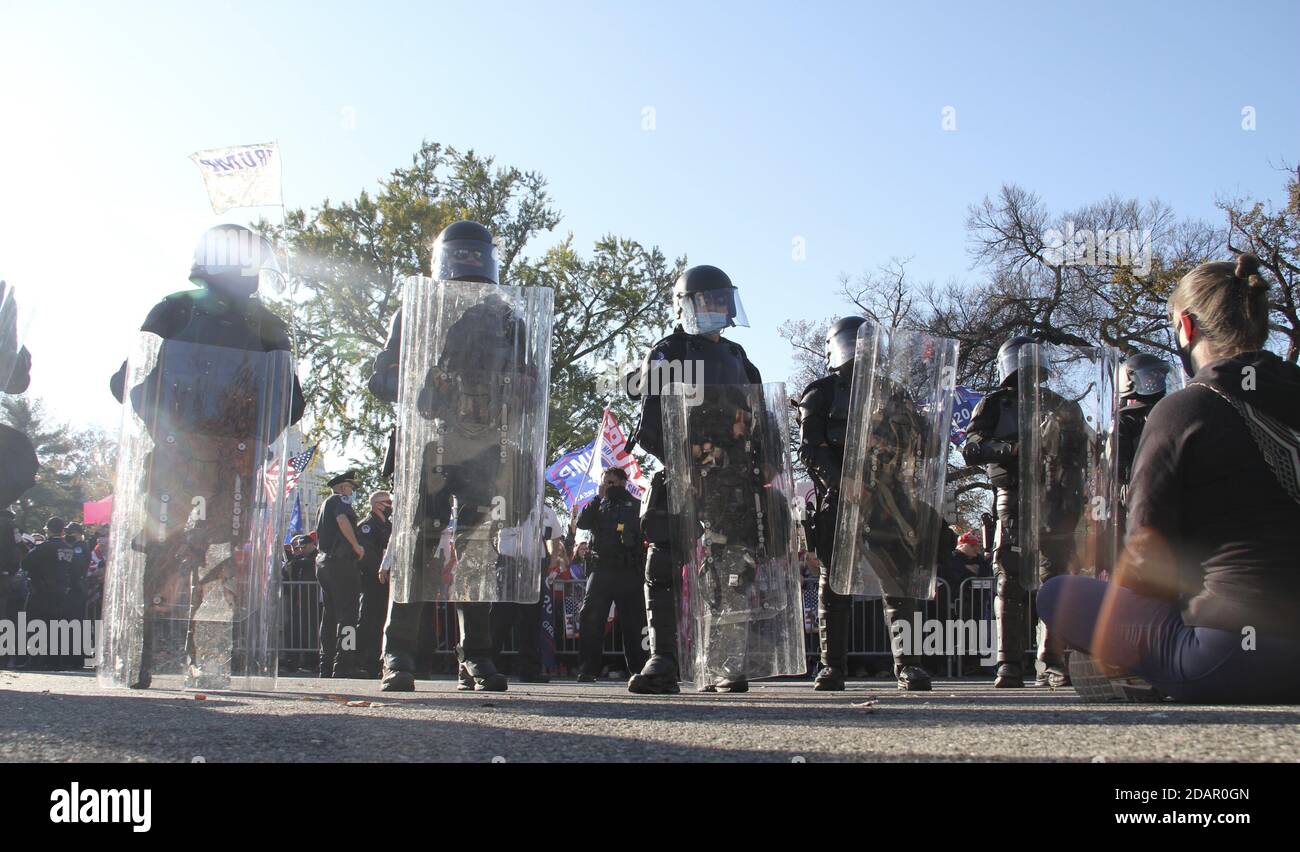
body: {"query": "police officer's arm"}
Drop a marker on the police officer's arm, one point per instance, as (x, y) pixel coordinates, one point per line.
(22, 375)
(383, 378)
(590, 514)
(345, 527)
(815, 451)
(276, 339)
(166, 319)
(649, 429)
(980, 448)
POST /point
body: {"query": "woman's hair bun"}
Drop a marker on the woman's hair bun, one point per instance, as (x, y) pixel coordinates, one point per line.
(1247, 270)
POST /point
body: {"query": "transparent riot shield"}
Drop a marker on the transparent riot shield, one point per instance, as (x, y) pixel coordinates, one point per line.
(1069, 489)
(895, 464)
(15, 362)
(731, 498)
(19, 467)
(191, 586)
(471, 442)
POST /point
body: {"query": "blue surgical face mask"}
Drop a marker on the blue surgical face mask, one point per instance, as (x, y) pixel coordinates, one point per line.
(709, 322)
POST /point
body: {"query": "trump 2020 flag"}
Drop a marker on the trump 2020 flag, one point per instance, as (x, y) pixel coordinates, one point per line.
(295, 521)
(963, 406)
(241, 176)
(577, 474)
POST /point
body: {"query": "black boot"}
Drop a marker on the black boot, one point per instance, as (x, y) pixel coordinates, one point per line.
(1055, 672)
(829, 679)
(397, 680)
(144, 677)
(476, 670)
(1009, 607)
(480, 675)
(833, 634)
(659, 677)
(345, 666)
(912, 678)
(660, 674)
(908, 672)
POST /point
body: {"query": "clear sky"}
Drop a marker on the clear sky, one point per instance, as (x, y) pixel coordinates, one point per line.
(771, 121)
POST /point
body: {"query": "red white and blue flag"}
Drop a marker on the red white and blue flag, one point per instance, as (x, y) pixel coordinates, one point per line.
(297, 466)
(577, 474)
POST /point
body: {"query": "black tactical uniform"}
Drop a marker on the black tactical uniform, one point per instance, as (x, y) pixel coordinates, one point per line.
(339, 573)
(11, 557)
(1143, 381)
(724, 363)
(49, 570)
(79, 588)
(462, 252)
(615, 560)
(823, 419)
(993, 440)
(373, 534)
(524, 620)
(201, 448)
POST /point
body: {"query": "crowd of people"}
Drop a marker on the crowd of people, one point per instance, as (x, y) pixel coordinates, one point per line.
(54, 574)
(1200, 601)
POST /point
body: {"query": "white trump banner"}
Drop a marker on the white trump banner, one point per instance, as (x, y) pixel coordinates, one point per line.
(241, 176)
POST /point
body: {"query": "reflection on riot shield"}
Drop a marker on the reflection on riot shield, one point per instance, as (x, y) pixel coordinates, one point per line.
(18, 472)
(471, 441)
(1068, 485)
(895, 464)
(198, 511)
(15, 363)
(731, 496)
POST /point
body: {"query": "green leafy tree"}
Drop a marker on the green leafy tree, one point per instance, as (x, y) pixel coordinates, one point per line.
(347, 262)
(76, 466)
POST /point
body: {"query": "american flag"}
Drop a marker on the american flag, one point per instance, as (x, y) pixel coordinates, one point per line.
(298, 465)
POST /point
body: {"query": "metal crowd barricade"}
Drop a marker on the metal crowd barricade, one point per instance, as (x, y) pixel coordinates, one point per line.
(867, 634)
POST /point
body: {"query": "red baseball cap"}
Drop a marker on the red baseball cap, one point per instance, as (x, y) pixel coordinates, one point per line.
(970, 537)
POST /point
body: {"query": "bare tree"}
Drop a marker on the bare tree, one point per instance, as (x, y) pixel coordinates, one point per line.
(1273, 233)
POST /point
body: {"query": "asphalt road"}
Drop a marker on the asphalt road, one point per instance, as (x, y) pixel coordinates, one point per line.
(67, 717)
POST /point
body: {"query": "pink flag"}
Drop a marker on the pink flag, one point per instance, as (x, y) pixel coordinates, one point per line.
(98, 512)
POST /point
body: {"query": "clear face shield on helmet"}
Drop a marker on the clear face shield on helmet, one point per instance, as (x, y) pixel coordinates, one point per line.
(238, 262)
(710, 311)
(465, 260)
(1149, 379)
(841, 348)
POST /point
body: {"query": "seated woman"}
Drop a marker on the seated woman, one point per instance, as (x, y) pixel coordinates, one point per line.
(1205, 606)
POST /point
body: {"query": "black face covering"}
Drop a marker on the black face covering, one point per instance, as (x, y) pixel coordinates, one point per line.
(1185, 356)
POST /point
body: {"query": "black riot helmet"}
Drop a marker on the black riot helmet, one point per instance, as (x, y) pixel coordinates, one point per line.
(706, 301)
(1009, 356)
(841, 342)
(1143, 375)
(464, 251)
(234, 261)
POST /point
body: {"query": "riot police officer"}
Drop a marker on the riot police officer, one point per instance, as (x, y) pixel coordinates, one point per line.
(616, 557)
(993, 440)
(201, 447)
(18, 473)
(374, 532)
(706, 303)
(75, 603)
(464, 251)
(49, 570)
(1143, 381)
(823, 418)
